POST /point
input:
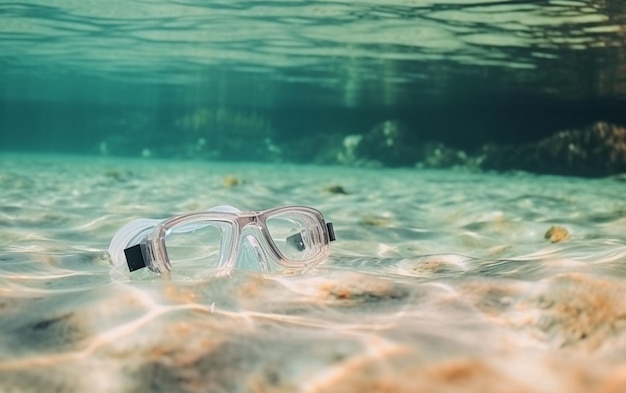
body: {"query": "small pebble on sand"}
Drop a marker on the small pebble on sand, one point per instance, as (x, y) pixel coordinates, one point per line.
(231, 181)
(336, 189)
(557, 234)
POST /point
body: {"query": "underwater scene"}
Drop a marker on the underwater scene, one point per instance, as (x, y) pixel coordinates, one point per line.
(313, 196)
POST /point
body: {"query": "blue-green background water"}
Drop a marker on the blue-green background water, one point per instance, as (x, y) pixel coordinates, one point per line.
(75, 74)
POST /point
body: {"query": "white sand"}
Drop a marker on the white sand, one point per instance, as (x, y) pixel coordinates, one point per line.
(498, 308)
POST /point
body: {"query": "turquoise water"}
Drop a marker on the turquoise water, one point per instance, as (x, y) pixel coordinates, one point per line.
(444, 276)
(76, 74)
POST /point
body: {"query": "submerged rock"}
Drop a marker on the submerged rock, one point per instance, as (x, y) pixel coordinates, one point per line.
(597, 150)
(231, 181)
(391, 143)
(336, 189)
(557, 234)
(439, 156)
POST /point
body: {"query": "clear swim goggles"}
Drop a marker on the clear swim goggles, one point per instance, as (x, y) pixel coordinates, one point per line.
(225, 238)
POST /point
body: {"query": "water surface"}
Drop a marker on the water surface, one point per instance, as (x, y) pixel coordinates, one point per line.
(329, 52)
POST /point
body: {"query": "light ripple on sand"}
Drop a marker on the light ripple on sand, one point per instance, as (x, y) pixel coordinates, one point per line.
(438, 280)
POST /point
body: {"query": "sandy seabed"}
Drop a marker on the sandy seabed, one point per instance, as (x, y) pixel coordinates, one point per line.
(439, 281)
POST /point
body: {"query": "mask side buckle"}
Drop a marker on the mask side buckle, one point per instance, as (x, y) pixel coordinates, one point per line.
(135, 257)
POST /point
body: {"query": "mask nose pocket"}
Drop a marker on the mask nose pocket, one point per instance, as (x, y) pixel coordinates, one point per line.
(251, 254)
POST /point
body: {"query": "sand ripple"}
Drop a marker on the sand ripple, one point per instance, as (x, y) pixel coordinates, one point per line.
(439, 281)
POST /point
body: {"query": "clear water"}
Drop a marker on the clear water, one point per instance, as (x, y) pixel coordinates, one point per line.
(75, 73)
(440, 280)
(343, 53)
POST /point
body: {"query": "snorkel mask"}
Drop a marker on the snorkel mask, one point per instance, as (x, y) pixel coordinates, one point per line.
(225, 238)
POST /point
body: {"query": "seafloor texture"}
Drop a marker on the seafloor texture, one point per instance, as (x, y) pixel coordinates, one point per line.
(439, 281)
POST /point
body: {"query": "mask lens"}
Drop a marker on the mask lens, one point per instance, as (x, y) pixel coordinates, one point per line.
(296, 235)
(195, 242)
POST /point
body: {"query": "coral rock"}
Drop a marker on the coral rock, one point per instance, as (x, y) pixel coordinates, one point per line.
(598, 150)
(557, 234)
(390, 143)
